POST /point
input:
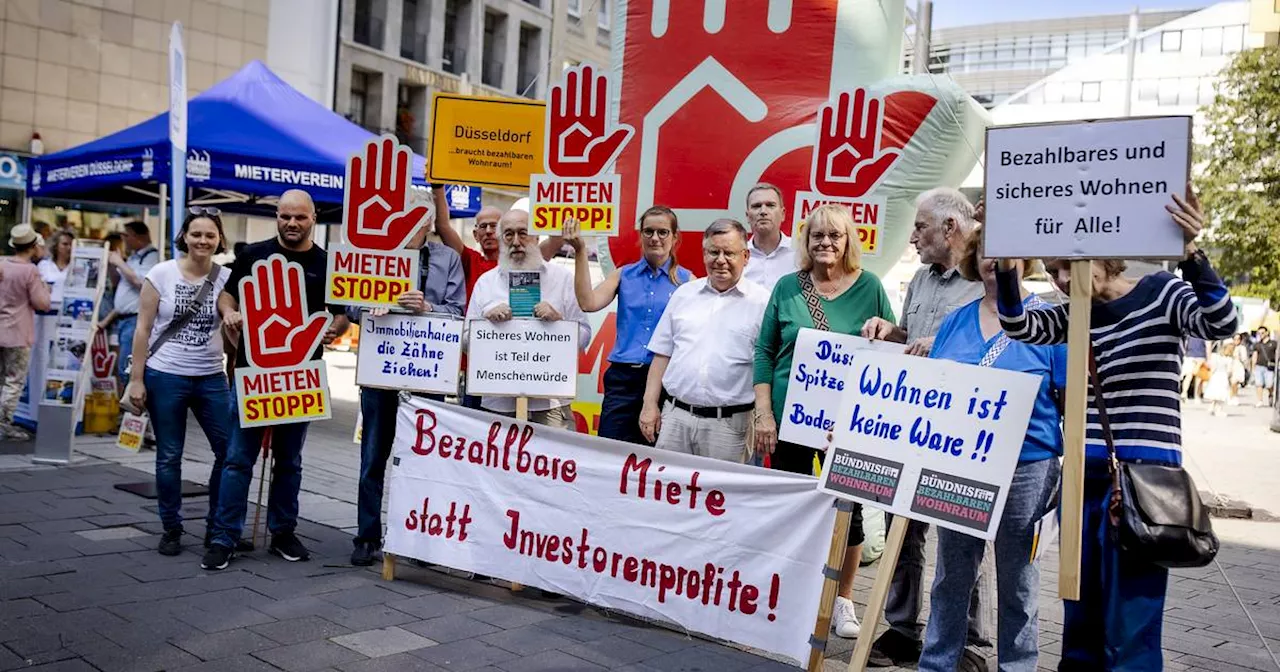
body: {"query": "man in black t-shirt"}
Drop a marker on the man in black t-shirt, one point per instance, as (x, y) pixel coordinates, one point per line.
(295, 218)
(1264, 365)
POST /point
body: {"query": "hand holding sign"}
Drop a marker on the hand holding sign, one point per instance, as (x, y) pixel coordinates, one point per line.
(850, 160)
(580, 142)
(1188, 215)
(375, 209)
(280, 332)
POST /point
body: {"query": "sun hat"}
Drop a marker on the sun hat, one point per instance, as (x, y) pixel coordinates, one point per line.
(23, 235)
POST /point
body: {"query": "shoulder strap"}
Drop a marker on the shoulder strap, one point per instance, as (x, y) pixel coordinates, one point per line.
(177, 323)
(993, 353)
(813, 301)
(1102, 408)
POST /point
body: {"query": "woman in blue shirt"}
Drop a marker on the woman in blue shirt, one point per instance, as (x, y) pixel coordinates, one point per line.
(642, 289)
(972, 335)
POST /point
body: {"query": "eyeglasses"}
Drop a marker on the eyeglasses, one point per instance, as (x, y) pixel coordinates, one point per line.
(717, 254)
(660, 234)
(201, 211)
(490, 226)
(833, 237)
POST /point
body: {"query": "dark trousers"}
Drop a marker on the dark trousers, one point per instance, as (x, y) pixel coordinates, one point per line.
(1116, 624)
(623, 400)
(378, 408)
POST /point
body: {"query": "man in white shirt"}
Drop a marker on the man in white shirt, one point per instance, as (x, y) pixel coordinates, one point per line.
(491, 301)
(143, 256)
(771, 253)
(703, 350)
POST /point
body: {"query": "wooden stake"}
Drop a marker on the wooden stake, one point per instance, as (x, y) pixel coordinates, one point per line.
(879, 593)
(522, 414)
(1073, 430)
(263, 475)
(835, 558)
(388, 566)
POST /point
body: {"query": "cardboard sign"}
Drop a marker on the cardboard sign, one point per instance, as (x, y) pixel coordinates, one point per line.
(581, 142)
(728, 550)
(133, 427)
(821, 363)
(930, 440)
(522, 358)
(487, 142)
(419, 353)
(1086, 190)
(281, 384)
(867, 214)
(379, 216)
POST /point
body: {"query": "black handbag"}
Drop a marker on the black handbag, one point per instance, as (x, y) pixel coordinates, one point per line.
(1155, 510)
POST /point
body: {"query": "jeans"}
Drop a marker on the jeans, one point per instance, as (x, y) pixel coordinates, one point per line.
(1017, 579)
(237, 475)
(125, 327)
(906, 589)
(623, 400)
(168, 399)
(378, 408)
(1116, 624)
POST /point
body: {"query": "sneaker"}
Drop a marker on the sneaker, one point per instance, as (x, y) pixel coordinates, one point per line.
(16, 434)
(171, 542)
(287, 546)
(362, 554)
(242, 546)
(894, 649)
(843, 620)
(217, 557)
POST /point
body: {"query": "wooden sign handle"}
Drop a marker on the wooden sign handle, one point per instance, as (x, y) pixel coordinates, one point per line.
(835, 558)
(1073, 430)
(879, 593)
(522, 414)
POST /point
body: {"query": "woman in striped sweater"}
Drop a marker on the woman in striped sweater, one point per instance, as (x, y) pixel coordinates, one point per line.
(1137, 329)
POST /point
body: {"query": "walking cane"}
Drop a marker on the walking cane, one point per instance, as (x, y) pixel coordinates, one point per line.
(263, 475)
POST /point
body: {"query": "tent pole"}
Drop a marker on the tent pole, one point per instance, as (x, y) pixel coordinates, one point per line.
(163, 249)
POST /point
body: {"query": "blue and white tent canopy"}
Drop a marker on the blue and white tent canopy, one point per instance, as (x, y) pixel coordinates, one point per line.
(250, 138)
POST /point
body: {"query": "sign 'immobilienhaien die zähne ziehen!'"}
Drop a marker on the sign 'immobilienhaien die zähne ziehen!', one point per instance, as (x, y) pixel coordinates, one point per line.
(418, 353)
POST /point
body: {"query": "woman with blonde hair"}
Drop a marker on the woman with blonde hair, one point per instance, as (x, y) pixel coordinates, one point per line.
(830, 292)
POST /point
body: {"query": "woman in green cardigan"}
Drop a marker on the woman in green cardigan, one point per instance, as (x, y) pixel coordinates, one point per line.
(830, 260)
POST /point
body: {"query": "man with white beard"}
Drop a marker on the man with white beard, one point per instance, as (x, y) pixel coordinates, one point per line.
(491, 300)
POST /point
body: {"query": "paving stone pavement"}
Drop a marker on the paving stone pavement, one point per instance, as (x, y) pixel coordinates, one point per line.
(82, 588)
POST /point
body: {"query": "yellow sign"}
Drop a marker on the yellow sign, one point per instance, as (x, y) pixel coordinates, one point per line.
(488, 142)
(283, 396)
(593, 201)
(132, 428)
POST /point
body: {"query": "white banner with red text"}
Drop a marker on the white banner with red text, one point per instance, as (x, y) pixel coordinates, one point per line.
(727, 550)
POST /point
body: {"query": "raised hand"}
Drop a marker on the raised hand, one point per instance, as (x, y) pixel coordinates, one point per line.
(1187, 214)
(101, 358)
(580, 142)
(279, 332)
(376, 211)
(849, 160)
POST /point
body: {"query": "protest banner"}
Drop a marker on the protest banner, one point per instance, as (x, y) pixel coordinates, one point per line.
(282, 384)
(132, 428)
(581, 143)
(486, 142)
(522, 358)
(1086, 190)
(418, 353)
(723, 549)
(820, 366)
(370, 268)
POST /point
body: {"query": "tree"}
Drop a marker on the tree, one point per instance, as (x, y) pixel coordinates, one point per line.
(1240, 185)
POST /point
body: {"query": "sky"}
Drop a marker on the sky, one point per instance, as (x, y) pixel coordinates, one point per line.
(950, 13)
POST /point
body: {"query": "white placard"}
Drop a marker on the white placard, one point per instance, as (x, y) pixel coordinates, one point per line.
(522, 358)
(133, 429)
(1086, 190)
(724, 549)
(821, 362)
(930, 440)
(419, 353)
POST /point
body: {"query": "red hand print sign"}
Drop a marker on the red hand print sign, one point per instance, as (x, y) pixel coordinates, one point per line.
(282, 383)
(379, 217)
(725, 95)
(581, 144)
(101, 359)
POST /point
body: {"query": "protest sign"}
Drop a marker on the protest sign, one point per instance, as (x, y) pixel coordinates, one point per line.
(1086, 190)
(522, 358)
(370, 267)
(419, 353)
(581, 142)
(133, 427)
(866, 213)
(487, 142)
(930, 440)
(820, 366)
(282, 384)
(723, 549)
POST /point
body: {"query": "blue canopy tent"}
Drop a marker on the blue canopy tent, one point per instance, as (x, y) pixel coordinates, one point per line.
(250, 138)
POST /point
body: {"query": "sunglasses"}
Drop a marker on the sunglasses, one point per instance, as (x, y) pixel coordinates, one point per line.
(201, 211)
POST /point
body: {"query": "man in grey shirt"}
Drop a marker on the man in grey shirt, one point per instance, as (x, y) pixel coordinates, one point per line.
(944, 220)
(132, 270)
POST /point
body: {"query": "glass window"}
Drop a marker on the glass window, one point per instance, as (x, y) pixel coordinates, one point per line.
(1168, 92)
(1114, 36)
(988, 52)
(574, 8)
(1071, 92)
(1147, 90)
(1171, 40)
(604, 17)
(1211, 42)
(1233, 38)
(1040, 48)
(1004, 49)
(1191, 41)
(1091, 92)
(1189, 91)
(1022, 50)
(1058, 46)
(1076, 46)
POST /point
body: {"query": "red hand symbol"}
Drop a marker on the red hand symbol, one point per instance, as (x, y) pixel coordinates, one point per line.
(579, 141)
(377, 193)
(850, 160)
(101, 357)
(279, 332)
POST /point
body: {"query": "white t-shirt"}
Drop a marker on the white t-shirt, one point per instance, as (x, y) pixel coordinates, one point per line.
(56, 277)
(196, 350)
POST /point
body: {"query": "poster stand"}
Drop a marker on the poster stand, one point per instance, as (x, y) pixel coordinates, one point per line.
(835, 559)
(1073, 430)
(879, 593)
